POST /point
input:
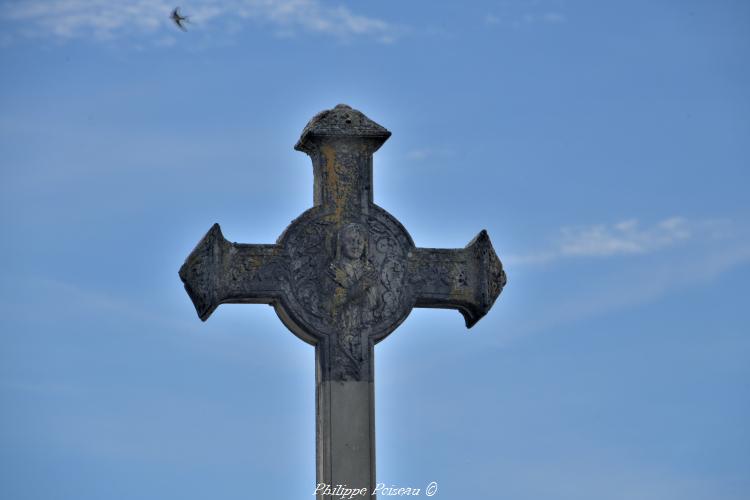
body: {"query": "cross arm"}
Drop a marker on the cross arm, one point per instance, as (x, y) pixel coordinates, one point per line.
(468, 279)
(218, 272)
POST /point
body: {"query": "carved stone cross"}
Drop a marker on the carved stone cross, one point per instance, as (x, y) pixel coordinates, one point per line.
(341, 277)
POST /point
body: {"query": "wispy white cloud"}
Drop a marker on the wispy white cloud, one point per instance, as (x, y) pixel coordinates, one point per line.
(635, 285)
(674, 254)
(627, 237)
(105, 20)
(77, 18)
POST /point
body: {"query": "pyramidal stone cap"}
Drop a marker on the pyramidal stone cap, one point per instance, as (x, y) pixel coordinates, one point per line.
(341, 122)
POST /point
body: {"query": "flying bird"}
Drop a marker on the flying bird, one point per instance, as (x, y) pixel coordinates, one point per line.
(178, 19)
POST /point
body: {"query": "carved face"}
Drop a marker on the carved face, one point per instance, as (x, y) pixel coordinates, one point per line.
(353, 241)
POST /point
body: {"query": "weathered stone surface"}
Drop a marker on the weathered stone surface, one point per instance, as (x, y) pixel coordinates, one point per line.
(342, 277)
(339, 122)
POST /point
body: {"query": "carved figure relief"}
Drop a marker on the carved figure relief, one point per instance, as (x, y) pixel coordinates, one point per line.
(348, 278)
(356, 301)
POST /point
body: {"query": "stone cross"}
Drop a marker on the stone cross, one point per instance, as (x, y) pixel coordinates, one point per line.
(341, 277)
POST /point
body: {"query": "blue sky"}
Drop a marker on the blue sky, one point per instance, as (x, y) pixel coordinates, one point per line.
(603, 146)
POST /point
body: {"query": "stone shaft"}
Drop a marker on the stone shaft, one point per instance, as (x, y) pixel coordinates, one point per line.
(345, 430)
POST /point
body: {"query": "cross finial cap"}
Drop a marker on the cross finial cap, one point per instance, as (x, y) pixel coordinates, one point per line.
(341, 122)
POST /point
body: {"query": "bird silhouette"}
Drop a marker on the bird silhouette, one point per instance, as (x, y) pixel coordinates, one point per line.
(178, 19)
